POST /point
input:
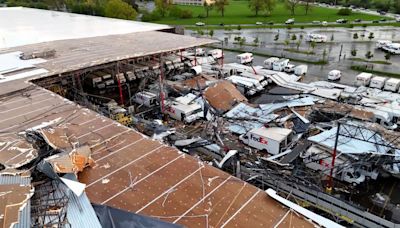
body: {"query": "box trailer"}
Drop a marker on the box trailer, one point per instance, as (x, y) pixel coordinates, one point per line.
(363, 79)
(301, 70)
(377, 82)
(280, 64)
(269, 63)
(216, 53)
(245, 58)
(145, 98)
(392, 84)
(274, 140)
(187, 113)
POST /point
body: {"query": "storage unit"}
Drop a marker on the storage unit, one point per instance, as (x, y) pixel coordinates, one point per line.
(245, 58)
(363, 79)
(269, 63)
(301, 70)
(216, 53)
(280, 64)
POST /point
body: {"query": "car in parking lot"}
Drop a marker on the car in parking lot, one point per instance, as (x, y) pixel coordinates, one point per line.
(324, 23)
(397, 19)
(375, 21)
(270, 23)
(289, 21)
(316, 22)
(259, 23)
(357, 20)
(200, 23)
(341, 21)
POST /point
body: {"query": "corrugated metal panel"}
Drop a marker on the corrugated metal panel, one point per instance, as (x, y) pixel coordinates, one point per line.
(25, 214)
(80, 211)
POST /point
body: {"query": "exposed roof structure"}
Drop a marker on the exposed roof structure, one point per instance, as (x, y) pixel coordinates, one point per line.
(137, 174)
(29, 26)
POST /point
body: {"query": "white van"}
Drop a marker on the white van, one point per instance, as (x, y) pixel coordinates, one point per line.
(392, 84)
(289, 68)
(274, 140)
(377, 82)
(334, 75)
(363, 79)
(216, 53)
(301, 70)
(382, 43)
(393, 48)
(245, 58)
(269, 63)
(280, 64)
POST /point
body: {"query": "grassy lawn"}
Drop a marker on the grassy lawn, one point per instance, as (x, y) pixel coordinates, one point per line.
(238, 12)
(371, 61)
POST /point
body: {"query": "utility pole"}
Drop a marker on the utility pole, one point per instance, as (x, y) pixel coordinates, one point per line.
(340, 53)
(330, 184)
(161, 81)
(121, 97)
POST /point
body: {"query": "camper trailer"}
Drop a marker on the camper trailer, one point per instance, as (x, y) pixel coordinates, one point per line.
(187, 113)
(317, 38)
(301, 70)
(269, 63)
(377, 82)
(392, 84)
(363, 79)
(245, 58)
(216, 53)
(274, 140)
(280, 64)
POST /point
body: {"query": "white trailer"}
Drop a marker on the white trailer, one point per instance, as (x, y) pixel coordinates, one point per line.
(317, 38)
(245, 58)
(216, 53)
(377, 82)
(280, 65)
(250, 86)
(301, 70)
(289, 68)
(393, 48)
(392, 84)
(187, 113)
(363, 79)
(145, 98)
(269, 63)
(334, 75)
(274, 140)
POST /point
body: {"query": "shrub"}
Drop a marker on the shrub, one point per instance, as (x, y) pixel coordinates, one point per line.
(344, 12)
(201, 15)
(186, 14)
(175, 12)
(153, 16)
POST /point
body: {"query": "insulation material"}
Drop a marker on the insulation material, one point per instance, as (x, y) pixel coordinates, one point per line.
(223, 96)
(72, 162)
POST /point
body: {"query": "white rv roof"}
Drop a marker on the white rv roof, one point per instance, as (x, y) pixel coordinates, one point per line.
(364, 75)
(393, 80)
(21, 26)
(378, 78)
(275, 133)
(244, 54)
(282, 60)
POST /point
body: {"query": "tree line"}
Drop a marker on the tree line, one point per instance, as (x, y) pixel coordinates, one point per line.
(122, 9)
(383, 5)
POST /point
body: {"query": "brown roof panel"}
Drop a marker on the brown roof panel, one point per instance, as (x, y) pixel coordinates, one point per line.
(223, 96)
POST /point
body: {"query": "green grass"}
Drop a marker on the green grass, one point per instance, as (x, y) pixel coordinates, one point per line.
(371, 61)
(238, 12)
(293, 50)
(383, 73)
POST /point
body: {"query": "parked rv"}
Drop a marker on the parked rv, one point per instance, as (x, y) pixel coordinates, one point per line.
(274, 140)
(317, 38)
(216, 53)
(269, 63)
(289, 21)
(363, 79)
(301, 70)
(377, 82)
(334, 75)
(280, 64)
(245, 58)
(392, 84)
(393, 48)
(382, 43)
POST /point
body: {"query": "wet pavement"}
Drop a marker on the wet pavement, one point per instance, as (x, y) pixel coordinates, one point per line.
(342, 40)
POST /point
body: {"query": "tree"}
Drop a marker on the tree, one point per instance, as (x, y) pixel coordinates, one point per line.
(294, 37)
(371, 36)
(324, 55)
(163, 6)
(291, 5)
(211, 33)
(257, 6)
(332, 37)
(256, 41)
(312, 45)
(220, 5)
(307, 5)
(298, 43)
(119, 9)
(239, 27)
(242, 41)
(387, 56)
(287, 42)
(355, 36)
(369, 55)
(276, 38)
(353, 52)
(208, 7)
(269, 6)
